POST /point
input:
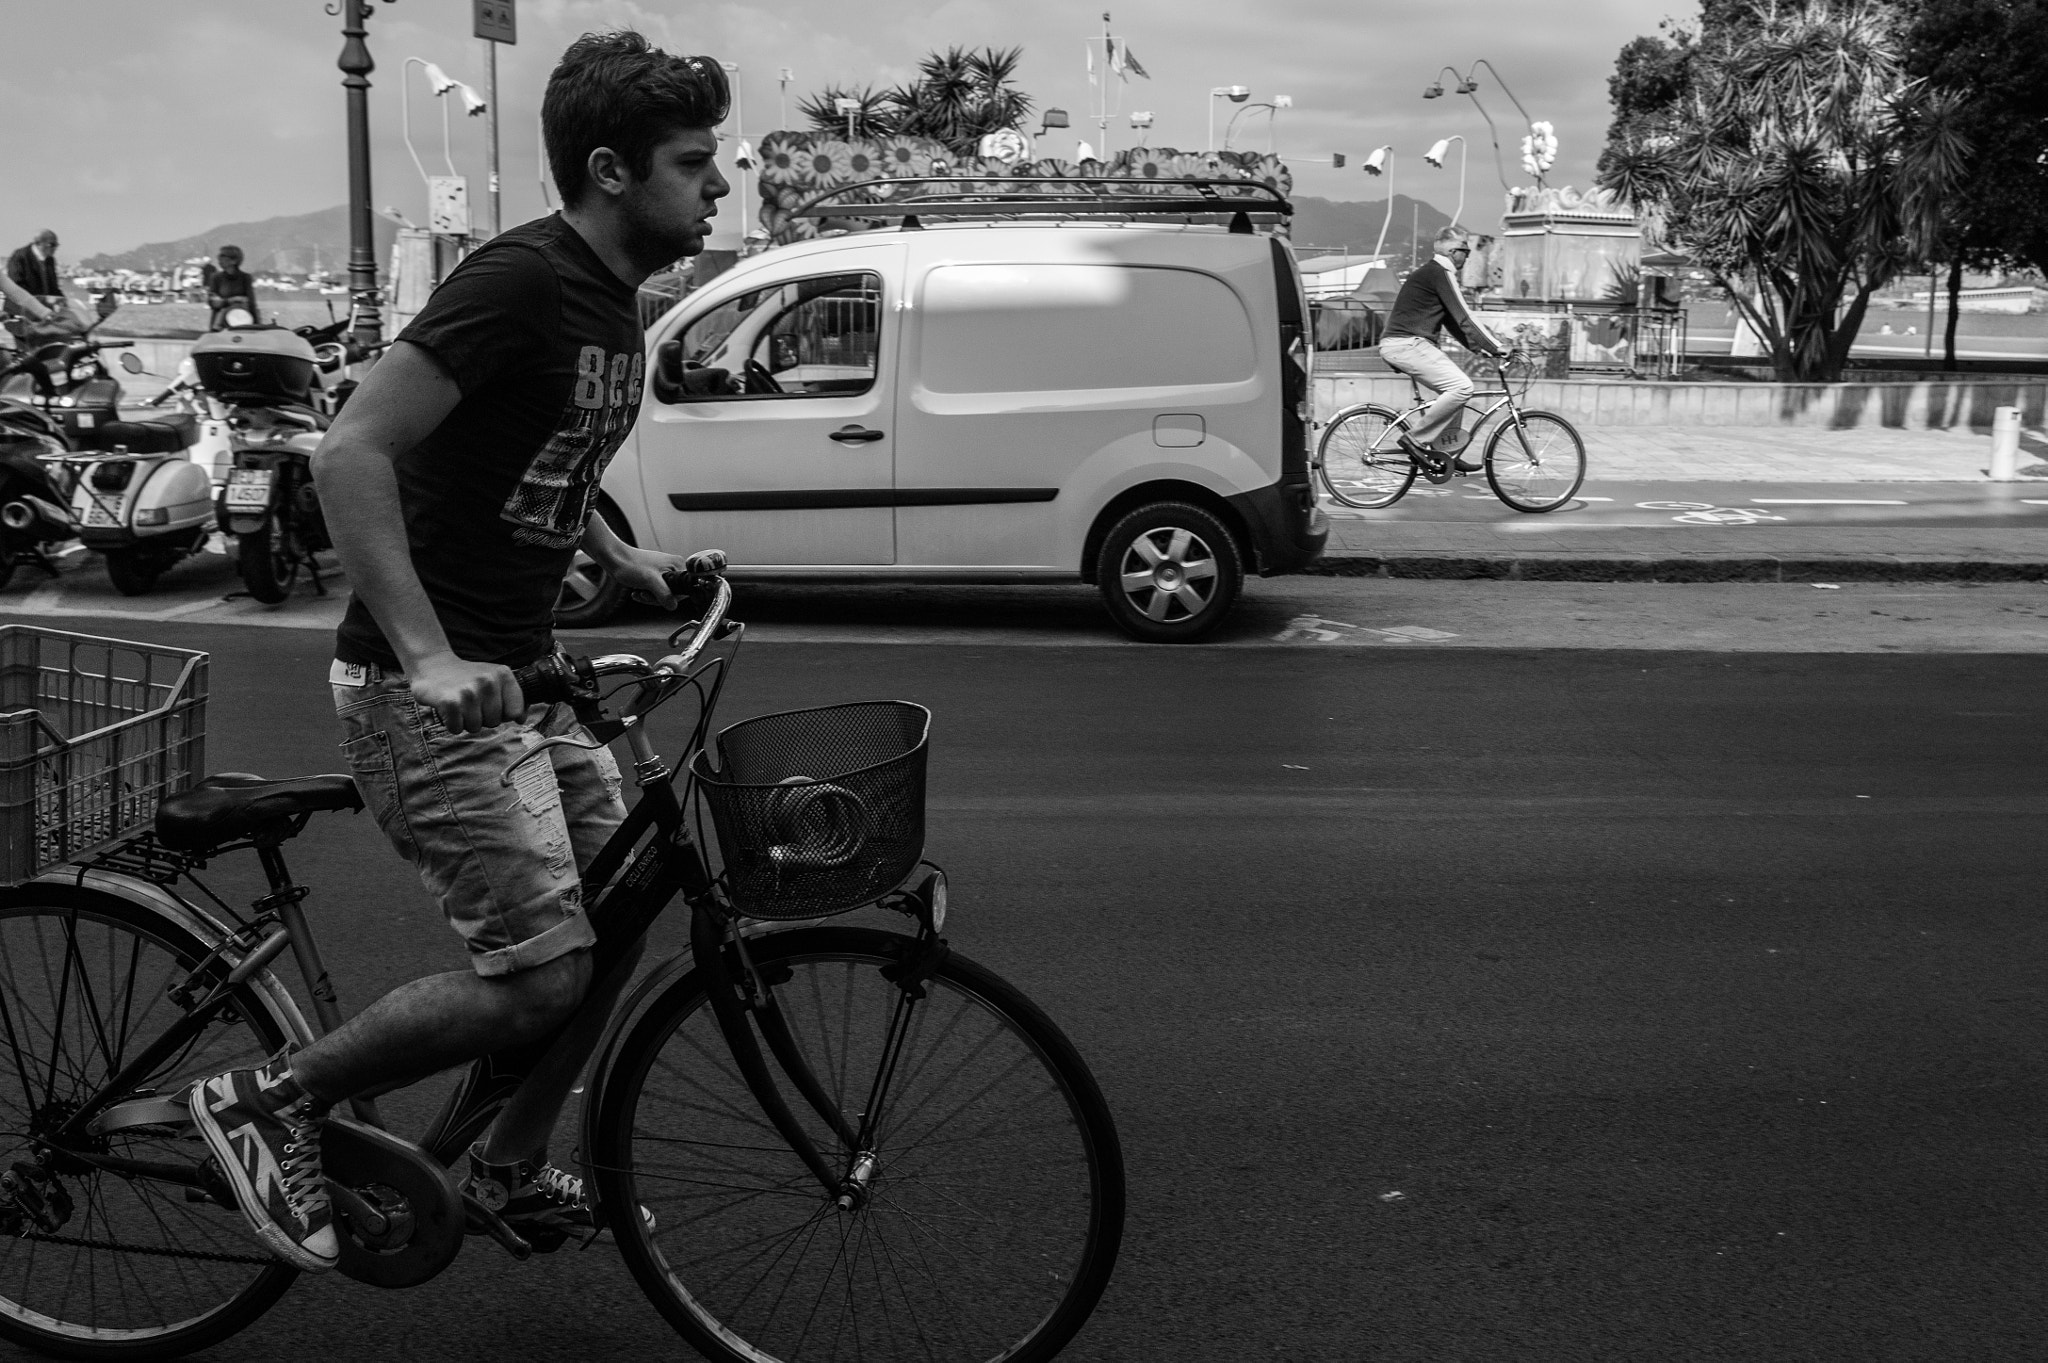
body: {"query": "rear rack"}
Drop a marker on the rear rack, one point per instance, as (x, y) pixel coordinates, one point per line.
(1083, 196)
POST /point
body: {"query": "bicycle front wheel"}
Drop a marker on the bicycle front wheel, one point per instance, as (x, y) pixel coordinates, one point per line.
(995, 1197)
(1361, 462)
(1537, 463)
(95, 1264)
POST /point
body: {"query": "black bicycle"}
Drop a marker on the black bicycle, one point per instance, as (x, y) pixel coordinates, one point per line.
(849, 1141)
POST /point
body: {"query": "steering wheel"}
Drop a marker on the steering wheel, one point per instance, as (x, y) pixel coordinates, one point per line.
(759, 380)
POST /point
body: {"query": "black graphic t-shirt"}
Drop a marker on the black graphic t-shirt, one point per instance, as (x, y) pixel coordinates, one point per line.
(545, 343)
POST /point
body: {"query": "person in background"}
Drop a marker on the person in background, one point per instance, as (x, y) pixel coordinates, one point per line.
(1429, 302)
(33, 270)
(230, 287)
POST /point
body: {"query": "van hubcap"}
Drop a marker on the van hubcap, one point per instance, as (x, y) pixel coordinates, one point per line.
(1169, 574)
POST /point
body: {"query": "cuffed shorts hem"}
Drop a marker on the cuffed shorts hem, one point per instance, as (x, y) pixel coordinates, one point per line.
(570, 935)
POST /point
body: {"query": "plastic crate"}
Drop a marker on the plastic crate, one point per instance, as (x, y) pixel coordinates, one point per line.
(93, 734)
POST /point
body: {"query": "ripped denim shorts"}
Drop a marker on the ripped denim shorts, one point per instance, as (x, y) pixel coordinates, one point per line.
(504, 862)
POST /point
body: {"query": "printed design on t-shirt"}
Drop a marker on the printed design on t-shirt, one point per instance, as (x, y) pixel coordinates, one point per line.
(555, 495)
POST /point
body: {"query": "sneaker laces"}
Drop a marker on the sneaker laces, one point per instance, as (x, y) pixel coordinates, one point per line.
(558, 1185)
(305, 1190)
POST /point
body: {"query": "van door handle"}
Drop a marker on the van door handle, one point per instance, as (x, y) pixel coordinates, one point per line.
(854, 435)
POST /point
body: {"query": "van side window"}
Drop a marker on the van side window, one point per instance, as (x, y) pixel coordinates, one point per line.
(813, 337)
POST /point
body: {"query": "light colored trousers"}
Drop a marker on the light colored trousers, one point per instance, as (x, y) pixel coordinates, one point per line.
(1433, 369)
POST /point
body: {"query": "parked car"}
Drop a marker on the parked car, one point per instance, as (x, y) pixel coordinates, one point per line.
(1120, 403)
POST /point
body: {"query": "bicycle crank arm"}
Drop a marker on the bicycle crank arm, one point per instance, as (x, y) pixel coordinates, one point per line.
(482, 1218)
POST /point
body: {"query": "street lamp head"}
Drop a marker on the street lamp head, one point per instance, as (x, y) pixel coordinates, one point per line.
(1283, 101)
(1054, 118)
(1440, 149)
(846, 106)
(439, 79)
(1466, 87)
(472, 102)
(1435, 91)
(1376, 164)
(1236, 94)
(1141, 119)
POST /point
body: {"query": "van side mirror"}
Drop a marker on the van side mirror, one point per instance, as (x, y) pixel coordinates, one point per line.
(668, 371)
(107, 305)
(131, 362)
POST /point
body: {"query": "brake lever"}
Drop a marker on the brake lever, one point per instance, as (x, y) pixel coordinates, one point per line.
(562, 741)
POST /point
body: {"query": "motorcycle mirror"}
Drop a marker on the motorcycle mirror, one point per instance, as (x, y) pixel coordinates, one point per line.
(107, 305)
(131, 362)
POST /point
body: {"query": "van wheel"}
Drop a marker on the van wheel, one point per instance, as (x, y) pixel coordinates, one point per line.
(590, 595)
(133, 572)
(1169, 573)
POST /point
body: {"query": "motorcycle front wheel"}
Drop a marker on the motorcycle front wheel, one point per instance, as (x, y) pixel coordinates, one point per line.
(268, 561)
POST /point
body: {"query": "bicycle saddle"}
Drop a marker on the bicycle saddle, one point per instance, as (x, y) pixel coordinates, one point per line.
(233, 804)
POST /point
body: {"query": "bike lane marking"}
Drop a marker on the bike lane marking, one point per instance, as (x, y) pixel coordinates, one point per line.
(1314, 629)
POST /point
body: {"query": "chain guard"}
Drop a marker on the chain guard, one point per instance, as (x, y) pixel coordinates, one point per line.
(395, 1176)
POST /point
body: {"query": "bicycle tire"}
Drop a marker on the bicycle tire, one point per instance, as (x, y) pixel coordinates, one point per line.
(1546, 462)
(1062, 1186)
(157, 1276)
(1360, 465)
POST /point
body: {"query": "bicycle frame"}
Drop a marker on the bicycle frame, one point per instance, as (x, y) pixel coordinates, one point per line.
(629, 889)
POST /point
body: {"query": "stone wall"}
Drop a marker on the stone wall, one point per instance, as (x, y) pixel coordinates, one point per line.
(1925, 404)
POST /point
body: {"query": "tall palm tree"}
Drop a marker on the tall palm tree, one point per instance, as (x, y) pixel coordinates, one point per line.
(1799, 165)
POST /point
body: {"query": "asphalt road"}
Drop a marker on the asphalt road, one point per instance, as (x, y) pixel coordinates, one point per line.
(1455, 1002)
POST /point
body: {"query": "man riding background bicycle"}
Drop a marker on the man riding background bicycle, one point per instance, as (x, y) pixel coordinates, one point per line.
(459, 482)
(1428, 303)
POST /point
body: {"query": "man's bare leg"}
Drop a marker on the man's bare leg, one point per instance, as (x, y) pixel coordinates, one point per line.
(523, 1125)
(440, 1022)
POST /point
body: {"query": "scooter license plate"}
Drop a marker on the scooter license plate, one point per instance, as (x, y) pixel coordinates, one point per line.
(249, 488)
(99, 515)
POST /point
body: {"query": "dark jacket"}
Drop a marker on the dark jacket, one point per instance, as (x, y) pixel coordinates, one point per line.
(33, 273)
(1429, 303)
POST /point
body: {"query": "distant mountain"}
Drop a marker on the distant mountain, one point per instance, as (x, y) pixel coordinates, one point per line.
(1339, 225)
(289, 245)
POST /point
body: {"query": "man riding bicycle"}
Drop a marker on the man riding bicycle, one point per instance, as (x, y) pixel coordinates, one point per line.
(1429, 301)
(459, 482)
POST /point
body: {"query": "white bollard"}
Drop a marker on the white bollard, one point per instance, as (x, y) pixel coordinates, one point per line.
(2005, 444)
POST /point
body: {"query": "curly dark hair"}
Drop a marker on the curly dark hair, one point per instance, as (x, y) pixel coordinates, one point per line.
(617, 90)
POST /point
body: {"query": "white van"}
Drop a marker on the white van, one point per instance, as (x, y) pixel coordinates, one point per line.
(1064, 398)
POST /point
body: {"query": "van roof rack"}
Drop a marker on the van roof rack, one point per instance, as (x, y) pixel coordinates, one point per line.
(1081, 196)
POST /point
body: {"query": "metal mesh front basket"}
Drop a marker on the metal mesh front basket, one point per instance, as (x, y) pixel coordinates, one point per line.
(93, 734)
(817, 811)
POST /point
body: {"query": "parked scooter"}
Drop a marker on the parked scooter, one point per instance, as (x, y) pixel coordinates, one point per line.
(281, 391)
(34, 519)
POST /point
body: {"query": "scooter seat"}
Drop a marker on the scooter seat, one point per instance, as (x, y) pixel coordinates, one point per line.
(167, 434)
(233, 804)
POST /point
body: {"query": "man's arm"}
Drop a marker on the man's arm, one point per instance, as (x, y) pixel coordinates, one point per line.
(639, 569)
(1468, 327)
(399, 403)
(23, 299)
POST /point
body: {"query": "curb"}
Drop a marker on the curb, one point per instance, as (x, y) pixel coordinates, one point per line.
(1702, 568)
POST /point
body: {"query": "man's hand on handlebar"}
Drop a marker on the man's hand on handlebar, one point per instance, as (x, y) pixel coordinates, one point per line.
(646, 574)
(468, 696)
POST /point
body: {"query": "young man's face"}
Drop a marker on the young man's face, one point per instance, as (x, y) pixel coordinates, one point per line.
(230, 260)
(669, 212)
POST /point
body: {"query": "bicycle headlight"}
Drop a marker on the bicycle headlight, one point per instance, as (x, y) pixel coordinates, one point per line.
(937, 890)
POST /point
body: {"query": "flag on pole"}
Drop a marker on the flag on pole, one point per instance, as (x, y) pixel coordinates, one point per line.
(1089, 52)
(1128, 61)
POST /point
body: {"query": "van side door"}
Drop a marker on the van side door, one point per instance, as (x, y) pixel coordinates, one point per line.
(789, 462)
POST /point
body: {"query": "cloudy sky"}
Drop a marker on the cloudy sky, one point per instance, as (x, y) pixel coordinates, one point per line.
(138, 120)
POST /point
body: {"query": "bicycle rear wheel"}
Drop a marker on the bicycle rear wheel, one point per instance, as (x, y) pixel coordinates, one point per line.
(1362, 465)
(996, 1207)
(1536, 464)
(116, 1267)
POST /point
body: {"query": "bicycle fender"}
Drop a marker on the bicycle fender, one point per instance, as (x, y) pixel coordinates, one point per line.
(194, 920)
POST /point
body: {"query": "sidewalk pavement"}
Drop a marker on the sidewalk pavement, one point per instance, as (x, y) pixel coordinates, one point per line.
(1362, 545)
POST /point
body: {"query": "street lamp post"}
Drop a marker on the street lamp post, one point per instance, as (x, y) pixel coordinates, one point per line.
(1467, 88)
(739, 139)
(1236, 94)
(1273, 109)
(1435, 156)
(1381, 162)
(356, 66)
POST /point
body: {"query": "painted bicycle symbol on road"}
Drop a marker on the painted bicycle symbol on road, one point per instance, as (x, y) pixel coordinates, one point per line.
(1706, 513)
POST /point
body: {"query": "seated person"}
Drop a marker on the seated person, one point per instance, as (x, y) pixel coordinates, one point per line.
(231, 286)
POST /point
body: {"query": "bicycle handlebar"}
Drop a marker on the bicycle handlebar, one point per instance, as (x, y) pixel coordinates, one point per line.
(701, 585)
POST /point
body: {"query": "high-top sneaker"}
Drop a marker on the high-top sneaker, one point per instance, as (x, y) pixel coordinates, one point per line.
(543, 1203)
(265, 1131)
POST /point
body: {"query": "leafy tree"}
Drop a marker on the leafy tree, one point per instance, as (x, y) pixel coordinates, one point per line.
(958, 97)
(1788, 150)
(1996, 53)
